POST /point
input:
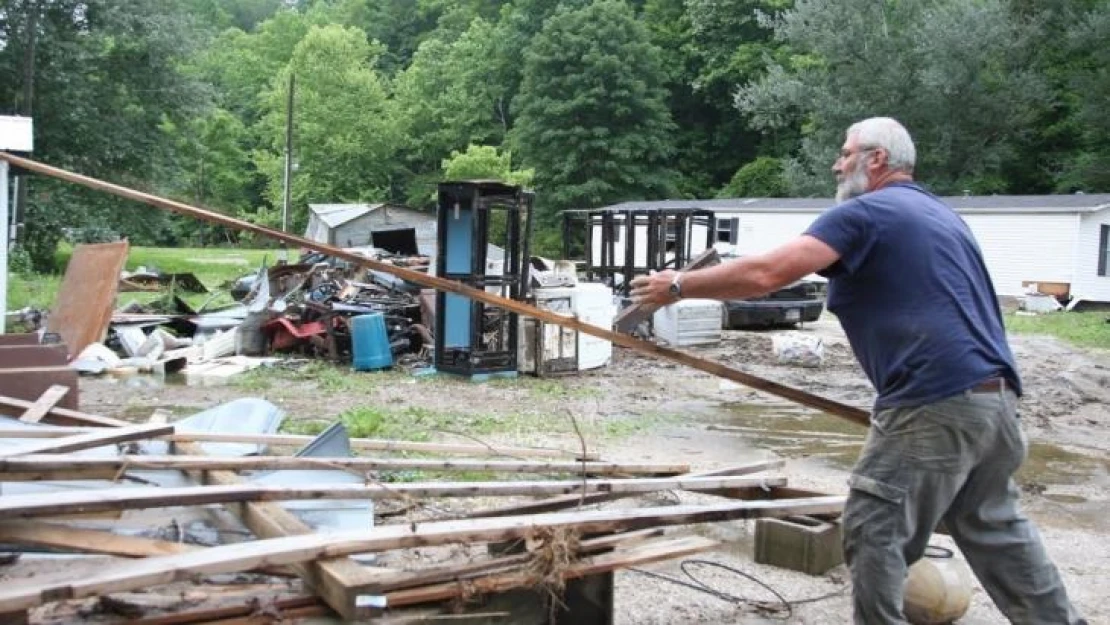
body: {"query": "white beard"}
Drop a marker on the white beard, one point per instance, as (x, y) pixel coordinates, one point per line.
(853, 184)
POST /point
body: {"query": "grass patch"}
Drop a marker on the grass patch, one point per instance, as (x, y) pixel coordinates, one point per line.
(1085, 329)
(325, 376)
(212, 266)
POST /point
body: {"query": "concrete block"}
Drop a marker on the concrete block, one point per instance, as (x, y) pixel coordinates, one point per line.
(798, 543)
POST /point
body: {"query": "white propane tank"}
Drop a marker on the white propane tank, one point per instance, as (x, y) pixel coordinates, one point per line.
(937, 589)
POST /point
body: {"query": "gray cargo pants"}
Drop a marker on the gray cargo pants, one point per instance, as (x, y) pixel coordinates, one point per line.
(952, 460)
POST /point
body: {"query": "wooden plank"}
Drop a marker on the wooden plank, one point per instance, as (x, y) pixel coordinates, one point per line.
(634, 315)
(63, 416)
(83, 307)
(29, 383)
(44, 404)
(14, 356)
(90, 440)
(296, 440)
(563, 502)
(46, 463)
(653, 551)
(336, 580)
(100, 500)
(79, 540)
(456, 572)
(824, 404)
(20, 338)
(311, 547)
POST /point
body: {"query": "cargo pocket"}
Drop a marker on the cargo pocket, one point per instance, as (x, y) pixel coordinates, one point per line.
(874, 514)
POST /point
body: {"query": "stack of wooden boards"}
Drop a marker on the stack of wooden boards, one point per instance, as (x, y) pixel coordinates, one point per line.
(546, 517)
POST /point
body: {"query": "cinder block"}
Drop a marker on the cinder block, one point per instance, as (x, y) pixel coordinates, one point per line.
(798, 543)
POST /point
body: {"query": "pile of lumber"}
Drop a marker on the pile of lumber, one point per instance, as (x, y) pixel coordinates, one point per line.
(550, 527)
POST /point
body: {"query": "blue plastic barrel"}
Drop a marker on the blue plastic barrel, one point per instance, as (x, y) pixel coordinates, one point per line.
(370, 343)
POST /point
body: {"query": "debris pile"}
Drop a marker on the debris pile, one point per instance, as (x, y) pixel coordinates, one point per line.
(300, 309)
(211, 517)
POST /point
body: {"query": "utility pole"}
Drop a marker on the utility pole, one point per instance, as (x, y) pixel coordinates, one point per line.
(286, 199)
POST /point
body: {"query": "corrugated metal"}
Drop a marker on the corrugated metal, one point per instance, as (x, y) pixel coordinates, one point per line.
(1088, 284)
(1017, 248)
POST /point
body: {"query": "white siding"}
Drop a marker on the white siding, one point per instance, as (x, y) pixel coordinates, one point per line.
(1016, 247)
(1023, 247)
(1088, 284)
(762, 232)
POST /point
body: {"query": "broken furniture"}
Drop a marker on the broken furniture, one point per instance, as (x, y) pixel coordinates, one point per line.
(471, 337)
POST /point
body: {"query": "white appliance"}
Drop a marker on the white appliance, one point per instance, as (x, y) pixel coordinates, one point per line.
(591, 303)
(689, 322)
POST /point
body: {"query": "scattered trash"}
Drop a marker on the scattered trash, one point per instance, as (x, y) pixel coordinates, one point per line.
(792, 348)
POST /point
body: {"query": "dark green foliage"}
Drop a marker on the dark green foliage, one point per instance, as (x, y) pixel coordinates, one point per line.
(762, 177)
(591, 112)
(606, 100)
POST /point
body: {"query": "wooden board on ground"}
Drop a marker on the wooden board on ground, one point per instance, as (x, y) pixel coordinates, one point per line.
(87, 296)
(102, 500)
(358, 465)
(314, 547)
(89, 441)
(29, 383)
(44, 404)
(337, 580)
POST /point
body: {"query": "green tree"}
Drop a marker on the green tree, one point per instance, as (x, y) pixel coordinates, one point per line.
(98, 77)
(1086, 167)
(346, 126)
(591, 114)
(713, 46)
(446, 103)
(762, 177)
(957, 74)
(484, 162)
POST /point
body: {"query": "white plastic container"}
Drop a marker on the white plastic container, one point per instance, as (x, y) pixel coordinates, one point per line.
(689, 322)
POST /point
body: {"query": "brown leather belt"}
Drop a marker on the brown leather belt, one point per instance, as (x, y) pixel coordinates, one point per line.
(993, 385)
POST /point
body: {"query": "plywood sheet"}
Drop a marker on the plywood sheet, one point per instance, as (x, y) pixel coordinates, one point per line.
(83, 308)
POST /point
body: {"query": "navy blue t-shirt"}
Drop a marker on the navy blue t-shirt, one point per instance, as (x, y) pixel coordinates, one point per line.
(913, 295)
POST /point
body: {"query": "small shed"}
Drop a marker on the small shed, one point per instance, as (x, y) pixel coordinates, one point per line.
(1061, 243)
(354, 225)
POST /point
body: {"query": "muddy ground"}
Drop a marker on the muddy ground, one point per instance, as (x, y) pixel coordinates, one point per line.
(646, 410)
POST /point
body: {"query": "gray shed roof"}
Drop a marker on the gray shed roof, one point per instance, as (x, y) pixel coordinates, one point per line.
(338, 214)
(1076, 203)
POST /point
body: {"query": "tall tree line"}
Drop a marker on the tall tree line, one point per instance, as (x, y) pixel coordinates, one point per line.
(593, 102)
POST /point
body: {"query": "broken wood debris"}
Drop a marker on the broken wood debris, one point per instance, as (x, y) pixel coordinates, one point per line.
(352, 569)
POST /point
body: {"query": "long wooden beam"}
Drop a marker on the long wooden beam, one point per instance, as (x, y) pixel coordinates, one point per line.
(80, 540)
(335, 580)
(38, 463)
(296, 549)
(652, 551)
(824, 404)
(62, 416)
(563, 502)
(296, 440)
(101, 500)
(89, 440)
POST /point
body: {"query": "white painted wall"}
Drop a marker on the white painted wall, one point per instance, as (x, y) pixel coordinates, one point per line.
(762, 232)
(697, 245)
(1061, 247)
(1088, 284)
(1026, 247)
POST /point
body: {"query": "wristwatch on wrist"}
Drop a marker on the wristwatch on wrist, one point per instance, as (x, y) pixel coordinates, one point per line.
(676, 286)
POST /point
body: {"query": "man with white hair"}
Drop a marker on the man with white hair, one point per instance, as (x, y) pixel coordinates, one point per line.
(908, 283)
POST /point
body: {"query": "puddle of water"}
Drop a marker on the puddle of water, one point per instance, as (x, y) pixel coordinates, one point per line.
(796, 432)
